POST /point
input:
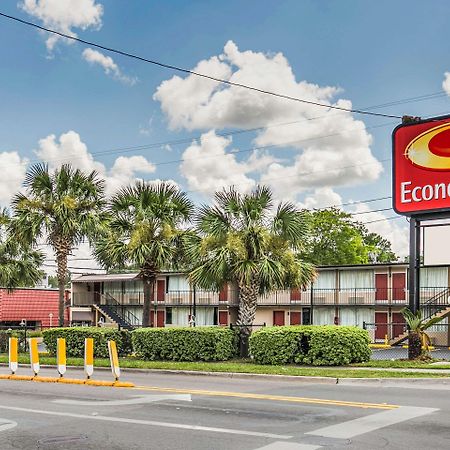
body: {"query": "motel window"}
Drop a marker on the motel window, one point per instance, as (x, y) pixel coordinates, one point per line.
(356, 279)
(178, 283)
(169, 316)
(326, 280)
(433, 277)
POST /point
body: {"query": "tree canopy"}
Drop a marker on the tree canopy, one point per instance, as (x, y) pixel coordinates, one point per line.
(337, 239)
(243, 239)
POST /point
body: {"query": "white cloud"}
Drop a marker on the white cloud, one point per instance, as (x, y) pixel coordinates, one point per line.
(109, 66)
(64, 16)
(329, 148)
(395, 231)
(208, 167)
(70, 149)
(323, 197)
(446, 83)
(12, 174)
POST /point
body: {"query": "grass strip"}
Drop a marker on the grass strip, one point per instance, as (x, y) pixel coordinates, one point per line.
(238, 366)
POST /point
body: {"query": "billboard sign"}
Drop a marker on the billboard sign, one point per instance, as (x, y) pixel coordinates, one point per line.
(421, 167)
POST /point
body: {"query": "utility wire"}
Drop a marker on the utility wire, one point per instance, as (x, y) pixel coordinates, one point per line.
(191, 72)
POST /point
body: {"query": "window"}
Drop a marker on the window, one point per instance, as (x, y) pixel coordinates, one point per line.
(433, 277)
(178, 283)
(169, 316)
(325, 280)
(356, 279)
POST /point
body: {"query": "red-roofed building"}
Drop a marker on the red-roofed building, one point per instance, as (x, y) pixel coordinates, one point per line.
(39, 307)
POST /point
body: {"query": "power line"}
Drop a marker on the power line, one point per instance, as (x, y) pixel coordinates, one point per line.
(191, 72)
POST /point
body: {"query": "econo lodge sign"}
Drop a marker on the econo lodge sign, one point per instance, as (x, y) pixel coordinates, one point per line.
(421, 167)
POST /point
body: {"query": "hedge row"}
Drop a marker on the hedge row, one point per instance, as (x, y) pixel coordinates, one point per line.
(75, 337)
(315, 345)
(185, 344)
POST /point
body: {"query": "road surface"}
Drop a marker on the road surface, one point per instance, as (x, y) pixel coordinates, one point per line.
(198, 412)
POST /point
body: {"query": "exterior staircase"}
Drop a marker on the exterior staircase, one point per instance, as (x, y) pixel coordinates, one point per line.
(109, 307)
(437, 306)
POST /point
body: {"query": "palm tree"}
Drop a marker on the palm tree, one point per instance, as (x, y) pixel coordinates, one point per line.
(144, 231)
(19, 265)
(62, 208)
(418, 340)
(242, 240)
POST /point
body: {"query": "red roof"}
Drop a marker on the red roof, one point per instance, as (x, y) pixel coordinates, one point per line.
(29, 304)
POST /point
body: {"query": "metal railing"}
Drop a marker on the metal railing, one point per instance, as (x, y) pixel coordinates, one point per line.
(430, 297)
(120, 310)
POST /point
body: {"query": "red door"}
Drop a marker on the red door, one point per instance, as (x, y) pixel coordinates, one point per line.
(278, 318)
(381, 323)
(296, 317)
(398, 284)
(381, 287)
(159, 318)
(223, 318)
(296, 295)
(223, 294)
(398, 324)
(160, 290)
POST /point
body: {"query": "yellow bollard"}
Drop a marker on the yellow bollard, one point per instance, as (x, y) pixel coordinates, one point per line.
(13, 355)
(61, 356)
(34, 355)
(386, 340)
(89, 357)
(114, 358)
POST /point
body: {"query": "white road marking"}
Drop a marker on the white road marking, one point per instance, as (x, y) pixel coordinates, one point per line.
(6, 424)
(289, 446)
(366, 424)
(147, 422)
(130, 401)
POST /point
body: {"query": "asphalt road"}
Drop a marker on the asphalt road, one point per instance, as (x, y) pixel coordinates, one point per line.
(198, 412)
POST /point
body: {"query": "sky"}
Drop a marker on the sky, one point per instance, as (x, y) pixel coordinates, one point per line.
(68, 102)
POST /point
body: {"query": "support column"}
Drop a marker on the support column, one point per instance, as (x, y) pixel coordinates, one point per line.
(414, 265)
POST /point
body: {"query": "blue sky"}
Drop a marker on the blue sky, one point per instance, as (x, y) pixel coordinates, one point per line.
(374, 52)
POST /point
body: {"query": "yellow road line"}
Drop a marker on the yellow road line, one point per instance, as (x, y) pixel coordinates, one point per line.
(280, 398)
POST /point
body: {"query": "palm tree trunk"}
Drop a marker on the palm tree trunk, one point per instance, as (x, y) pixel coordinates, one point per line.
(414, 345)
(248, 295)
(149, 289)
(61, 273)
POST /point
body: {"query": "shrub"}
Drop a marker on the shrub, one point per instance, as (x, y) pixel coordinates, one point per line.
(184, 344)
(6, 334)
(75, 337)
(316, 345)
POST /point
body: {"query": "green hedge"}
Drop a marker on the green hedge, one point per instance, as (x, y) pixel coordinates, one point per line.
(185, 344)
(315, 344)
(75, 337)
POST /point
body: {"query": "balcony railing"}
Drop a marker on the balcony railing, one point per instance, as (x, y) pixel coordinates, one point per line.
(308, 297)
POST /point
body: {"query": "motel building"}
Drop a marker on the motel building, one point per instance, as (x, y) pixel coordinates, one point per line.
(368, 296)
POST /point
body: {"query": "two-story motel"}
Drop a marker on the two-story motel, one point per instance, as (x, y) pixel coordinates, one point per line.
(344, 295)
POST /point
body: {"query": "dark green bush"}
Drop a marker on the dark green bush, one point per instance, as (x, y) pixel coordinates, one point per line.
(6, 334)
(75, 337)
(184, 344)
(314, 344)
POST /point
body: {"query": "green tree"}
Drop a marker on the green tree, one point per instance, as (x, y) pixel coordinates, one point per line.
(61, 208)
(336, 239)
(242, 240)
(19, 264)
(145, 230)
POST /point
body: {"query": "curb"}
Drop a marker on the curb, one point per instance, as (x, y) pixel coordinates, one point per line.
(417, 382)
(298, 378)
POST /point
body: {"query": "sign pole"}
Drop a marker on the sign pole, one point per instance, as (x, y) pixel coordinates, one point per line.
(414, 265)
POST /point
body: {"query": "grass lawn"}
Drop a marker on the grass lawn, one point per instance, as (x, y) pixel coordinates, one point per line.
(243, 366)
